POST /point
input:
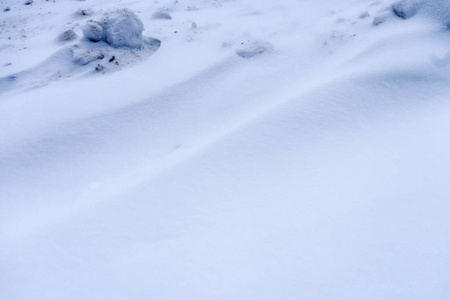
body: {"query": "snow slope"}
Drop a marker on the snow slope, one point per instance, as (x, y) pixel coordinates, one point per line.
(263, 150)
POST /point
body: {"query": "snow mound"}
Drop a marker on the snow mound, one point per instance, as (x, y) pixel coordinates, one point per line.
(121, 28)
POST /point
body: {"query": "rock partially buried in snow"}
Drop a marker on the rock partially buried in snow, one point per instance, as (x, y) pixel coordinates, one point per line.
(162, 15)
(438, 10)
(379, 20)
(83, 57)
(67, 36)
(124, 30)
(99, 68)
(111, 43)
(406, 9)
(85, 12)
(253, 49)
(364, 15)
(119, 29)
(94, 32)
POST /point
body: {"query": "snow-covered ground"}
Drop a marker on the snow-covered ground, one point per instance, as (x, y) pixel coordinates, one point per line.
(234, 149)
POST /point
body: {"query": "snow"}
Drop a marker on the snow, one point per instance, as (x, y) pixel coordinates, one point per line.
(273, 150)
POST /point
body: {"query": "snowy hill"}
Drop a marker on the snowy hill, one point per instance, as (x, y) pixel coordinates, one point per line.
(226, 149)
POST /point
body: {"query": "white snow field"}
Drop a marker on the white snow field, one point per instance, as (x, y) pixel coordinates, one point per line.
(220, 149)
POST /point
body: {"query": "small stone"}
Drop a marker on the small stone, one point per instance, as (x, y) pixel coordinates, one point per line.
(85, 12)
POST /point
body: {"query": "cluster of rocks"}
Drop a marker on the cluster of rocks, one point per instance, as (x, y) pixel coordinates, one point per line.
(114, 35)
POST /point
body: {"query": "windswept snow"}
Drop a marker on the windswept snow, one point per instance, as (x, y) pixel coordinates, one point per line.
(224, 149)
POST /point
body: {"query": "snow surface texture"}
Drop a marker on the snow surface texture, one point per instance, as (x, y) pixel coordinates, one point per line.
(255, 150)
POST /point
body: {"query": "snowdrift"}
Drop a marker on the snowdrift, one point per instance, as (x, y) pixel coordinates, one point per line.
(250, 150)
